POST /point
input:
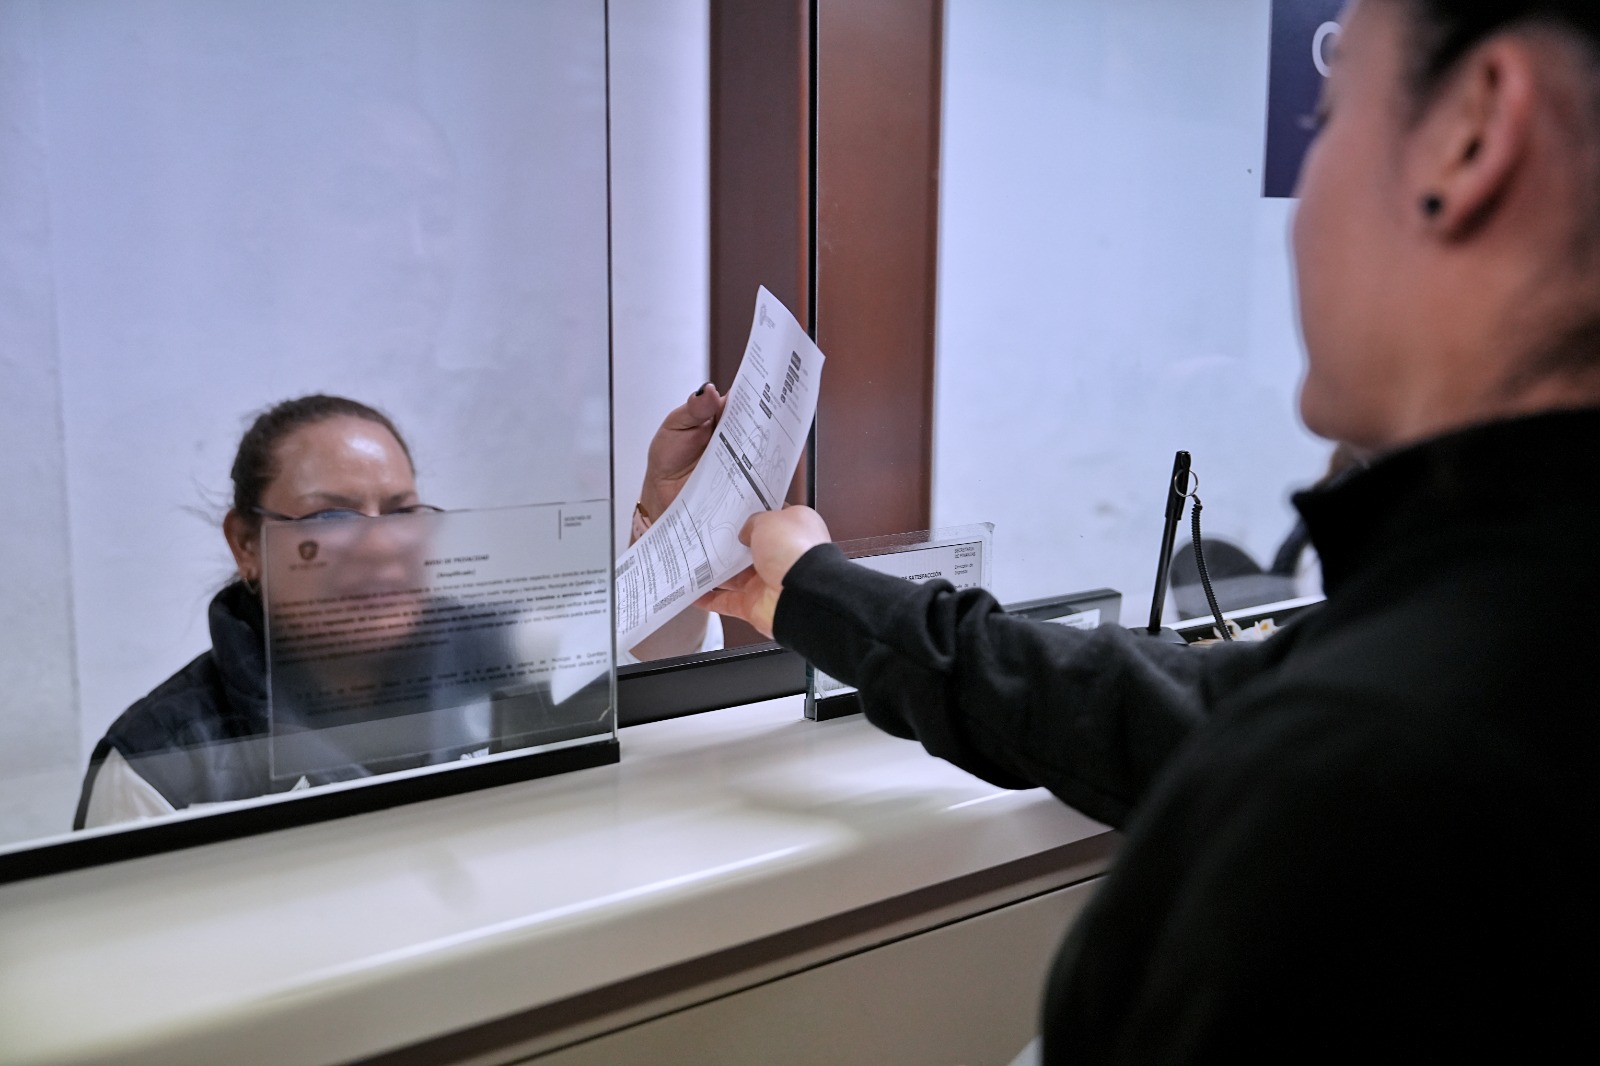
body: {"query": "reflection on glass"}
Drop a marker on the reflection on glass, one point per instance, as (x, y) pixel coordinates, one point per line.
(404, 640)
(366, 632)
(213, 206)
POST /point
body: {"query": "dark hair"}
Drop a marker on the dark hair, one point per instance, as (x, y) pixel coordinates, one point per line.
(256, 464)
(1449, 29)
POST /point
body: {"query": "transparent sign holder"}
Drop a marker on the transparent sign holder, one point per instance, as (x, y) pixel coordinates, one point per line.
(961, 555)
(410, 641)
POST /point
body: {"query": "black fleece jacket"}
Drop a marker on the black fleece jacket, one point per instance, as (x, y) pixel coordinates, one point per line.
(1372, 837)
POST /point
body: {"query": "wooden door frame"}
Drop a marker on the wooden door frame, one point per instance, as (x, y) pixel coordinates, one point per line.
(825, 121)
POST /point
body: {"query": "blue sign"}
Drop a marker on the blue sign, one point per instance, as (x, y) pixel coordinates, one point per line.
(1304, 33)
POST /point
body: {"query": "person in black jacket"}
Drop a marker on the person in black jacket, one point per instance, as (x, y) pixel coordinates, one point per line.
(1373, 836)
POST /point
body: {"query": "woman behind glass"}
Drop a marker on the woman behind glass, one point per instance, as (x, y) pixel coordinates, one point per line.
(201, 736)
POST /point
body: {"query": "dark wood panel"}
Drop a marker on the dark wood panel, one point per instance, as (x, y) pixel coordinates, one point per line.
(879, 66)
(825, 120)
(760, 182)
(760, 167)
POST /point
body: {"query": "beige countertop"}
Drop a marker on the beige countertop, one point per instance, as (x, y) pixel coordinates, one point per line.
(345, 939)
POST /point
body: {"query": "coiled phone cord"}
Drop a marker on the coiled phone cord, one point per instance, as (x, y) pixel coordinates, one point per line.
(1200, 565)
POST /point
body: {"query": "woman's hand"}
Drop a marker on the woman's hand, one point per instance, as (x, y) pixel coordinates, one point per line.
(676, 448)
(776, 539)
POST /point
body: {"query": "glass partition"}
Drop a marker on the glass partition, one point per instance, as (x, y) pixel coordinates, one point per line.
(211, 208)
(1113, 287)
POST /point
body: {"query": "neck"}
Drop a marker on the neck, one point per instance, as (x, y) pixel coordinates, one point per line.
(1527, 341)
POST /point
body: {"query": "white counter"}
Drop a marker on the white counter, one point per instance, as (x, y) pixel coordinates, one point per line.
(348, 939)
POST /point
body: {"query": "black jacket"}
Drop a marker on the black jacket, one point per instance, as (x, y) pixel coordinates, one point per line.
(1372, 837)
(201, 735)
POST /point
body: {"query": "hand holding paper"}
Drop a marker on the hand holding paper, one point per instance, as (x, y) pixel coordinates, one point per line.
(746, 467)
(776, 540)
(677, 447)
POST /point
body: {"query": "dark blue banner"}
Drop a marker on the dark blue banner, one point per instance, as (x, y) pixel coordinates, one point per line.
(1304, 34)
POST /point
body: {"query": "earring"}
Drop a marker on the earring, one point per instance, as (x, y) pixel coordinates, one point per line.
(1432, 204)
(252, 585)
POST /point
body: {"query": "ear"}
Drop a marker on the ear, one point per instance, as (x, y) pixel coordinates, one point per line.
(1475, 138)
(244, 542)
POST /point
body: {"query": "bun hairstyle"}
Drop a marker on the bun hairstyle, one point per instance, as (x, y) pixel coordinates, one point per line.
(256, 465)
(1449, 29)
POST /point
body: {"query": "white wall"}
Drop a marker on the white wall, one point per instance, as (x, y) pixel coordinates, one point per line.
(660, 222)
(1112, 287)
(37, 672)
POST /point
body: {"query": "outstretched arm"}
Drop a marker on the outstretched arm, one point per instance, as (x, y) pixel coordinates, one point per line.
(1093, 716)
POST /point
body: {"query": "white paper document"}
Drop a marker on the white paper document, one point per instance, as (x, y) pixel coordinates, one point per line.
(746, 468)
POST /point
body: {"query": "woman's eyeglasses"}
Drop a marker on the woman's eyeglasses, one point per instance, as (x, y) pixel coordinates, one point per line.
(344, 514)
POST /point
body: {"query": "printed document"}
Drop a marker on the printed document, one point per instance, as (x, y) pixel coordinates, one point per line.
(746, 468)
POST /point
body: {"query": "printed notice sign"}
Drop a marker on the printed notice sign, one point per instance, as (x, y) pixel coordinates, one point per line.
(1304, 36)
(746, 468)
(410, 639)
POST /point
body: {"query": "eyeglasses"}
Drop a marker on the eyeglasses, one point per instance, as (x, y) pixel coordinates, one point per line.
(344, 514)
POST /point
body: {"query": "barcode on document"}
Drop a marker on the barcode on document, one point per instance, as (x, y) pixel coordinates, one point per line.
(702, 574)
